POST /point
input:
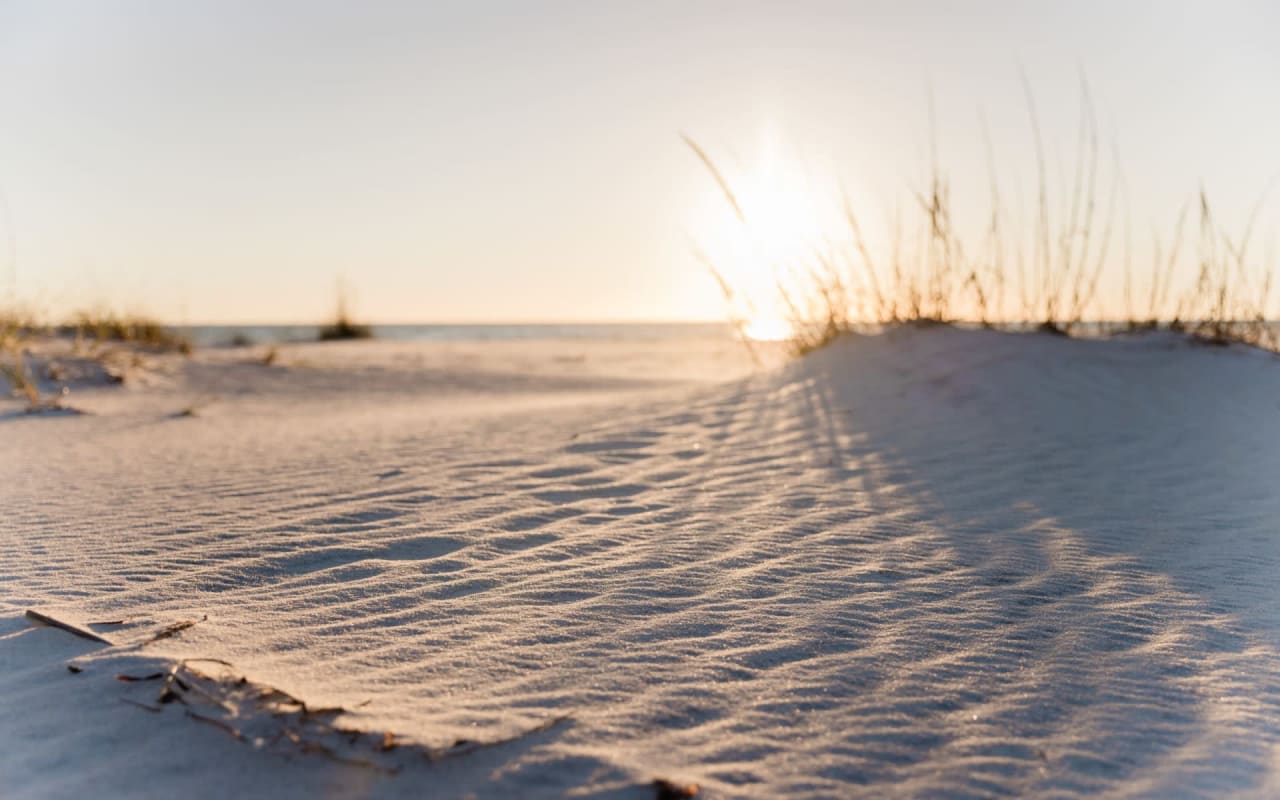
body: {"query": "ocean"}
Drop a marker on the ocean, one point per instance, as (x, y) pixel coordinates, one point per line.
(230, 335)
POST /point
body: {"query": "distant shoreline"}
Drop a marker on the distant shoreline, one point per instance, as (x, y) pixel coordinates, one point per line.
(224, 335)
(221, 335)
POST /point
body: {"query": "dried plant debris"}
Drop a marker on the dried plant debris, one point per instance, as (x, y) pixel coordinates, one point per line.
(154, 676)
(667, 790)
(266, 718)
(275, 721)
(53, 622)
(175, 629)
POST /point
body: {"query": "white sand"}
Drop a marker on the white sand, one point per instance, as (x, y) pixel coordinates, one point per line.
(932, 563)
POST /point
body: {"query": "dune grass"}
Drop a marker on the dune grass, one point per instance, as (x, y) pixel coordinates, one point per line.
(14, 370)
(342, 326)
(18, 323)
(1043, 275)
(109, 326)
(21, 332)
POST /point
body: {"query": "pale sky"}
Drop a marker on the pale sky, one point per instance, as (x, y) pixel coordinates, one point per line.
(227, 161)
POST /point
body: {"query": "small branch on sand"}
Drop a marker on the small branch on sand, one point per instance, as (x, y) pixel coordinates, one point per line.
(44, 619)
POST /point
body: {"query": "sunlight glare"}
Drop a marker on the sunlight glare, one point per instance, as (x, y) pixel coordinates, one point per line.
(785, 224)
(767, 329)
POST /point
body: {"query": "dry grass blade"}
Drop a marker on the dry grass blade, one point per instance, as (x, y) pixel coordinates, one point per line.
(465, 746)
(738, 321)
(217, 723)
(1040, 251)
(278, 722)
(44, 619)
(717, 175)
(153, 676)
(174, 629)
(867, 262)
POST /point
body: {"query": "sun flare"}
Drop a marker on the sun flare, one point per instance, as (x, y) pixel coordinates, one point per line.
(767, 329)
(761, 227)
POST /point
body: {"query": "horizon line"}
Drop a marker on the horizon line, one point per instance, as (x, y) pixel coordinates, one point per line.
(452, 323)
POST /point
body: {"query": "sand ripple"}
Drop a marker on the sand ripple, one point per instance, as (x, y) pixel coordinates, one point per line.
(942, 563)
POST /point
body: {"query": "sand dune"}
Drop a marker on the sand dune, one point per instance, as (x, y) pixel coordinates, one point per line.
(927, 563)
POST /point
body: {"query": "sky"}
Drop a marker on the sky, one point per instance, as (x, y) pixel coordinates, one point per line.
(490, 161)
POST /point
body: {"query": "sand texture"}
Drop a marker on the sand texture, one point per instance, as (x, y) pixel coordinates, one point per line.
(921, 564)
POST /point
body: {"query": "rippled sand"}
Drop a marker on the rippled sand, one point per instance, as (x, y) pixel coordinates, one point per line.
(929, 563)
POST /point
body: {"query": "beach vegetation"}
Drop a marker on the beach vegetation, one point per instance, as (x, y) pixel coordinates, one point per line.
(104, 326)
(17, 323)
(14, 369)
(342, 326)
(1038, 270)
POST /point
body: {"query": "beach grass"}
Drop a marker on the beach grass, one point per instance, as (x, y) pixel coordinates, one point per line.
(25, 333)
(14, 370)
(99, 325)
(342, 326)
(104, 326)
(1036, 271)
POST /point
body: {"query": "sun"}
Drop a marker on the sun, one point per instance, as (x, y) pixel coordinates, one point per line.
(767, 329)
(758, 252)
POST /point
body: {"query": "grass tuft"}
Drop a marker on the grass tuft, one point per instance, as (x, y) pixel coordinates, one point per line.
(16, 373)
(342, 326)
(108, 326)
